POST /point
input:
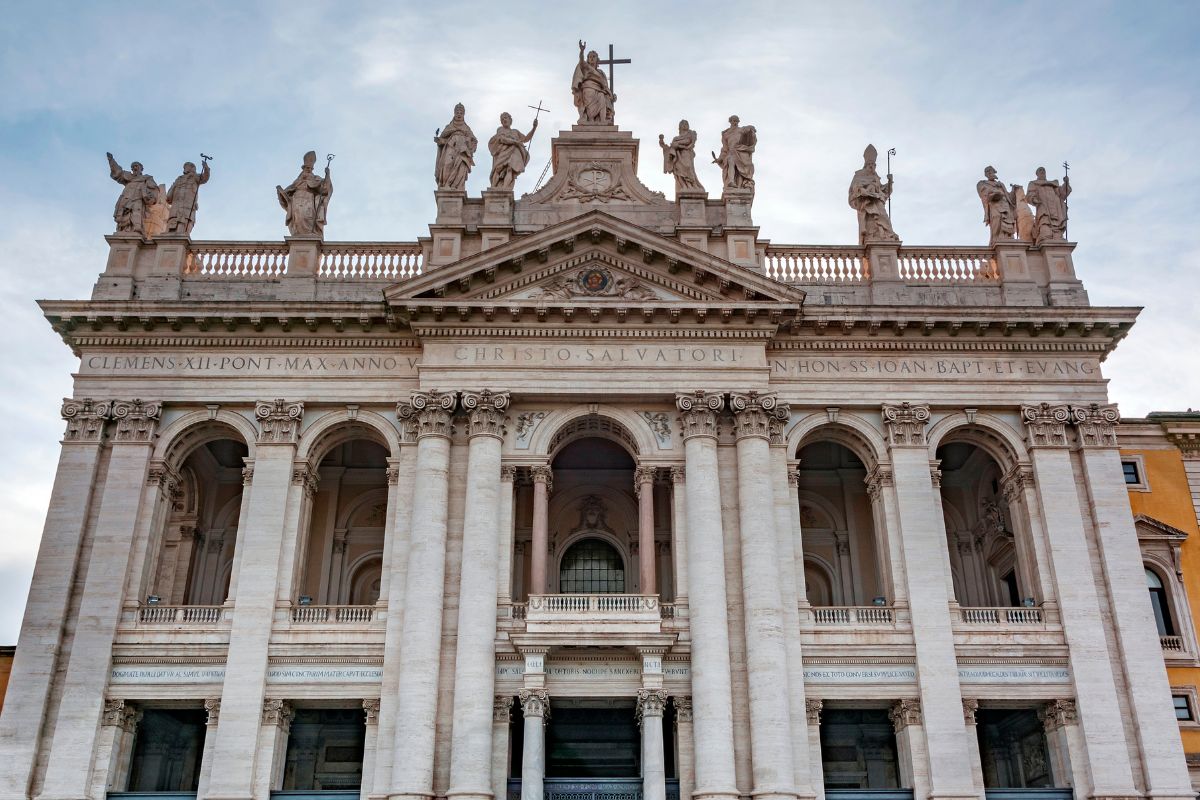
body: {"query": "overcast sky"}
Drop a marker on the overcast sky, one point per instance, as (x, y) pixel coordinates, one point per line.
(1111, 88)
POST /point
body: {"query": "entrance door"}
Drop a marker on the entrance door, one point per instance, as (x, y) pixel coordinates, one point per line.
(593, 739)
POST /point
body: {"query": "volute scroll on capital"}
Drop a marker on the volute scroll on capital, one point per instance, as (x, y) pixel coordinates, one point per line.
(119, 715)
(535, 703)
(137, 421)
(1058, 713)
(905, 424)
(699, 413)
(755, 414)
(430, 411)
(650, 703)
(85, 419)
(278, 421)
(542, 473)
(1046, 424)
(1096, 424)
(485, 412)
(905, 712)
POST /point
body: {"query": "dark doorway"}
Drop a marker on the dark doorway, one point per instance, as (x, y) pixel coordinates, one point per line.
(593, 739)
(167, 750)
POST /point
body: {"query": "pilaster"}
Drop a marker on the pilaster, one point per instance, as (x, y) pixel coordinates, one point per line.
(812, 717)
(275, 725)
(913, 746)
(685, 745)
(501, 719)
(370, 745)
(1060, 720)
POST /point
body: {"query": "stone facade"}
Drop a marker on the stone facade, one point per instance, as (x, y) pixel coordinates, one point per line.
(327, 486)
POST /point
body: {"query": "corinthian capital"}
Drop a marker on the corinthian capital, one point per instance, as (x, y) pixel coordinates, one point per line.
(904, 713)
(501, 708)
(278, 421)
(905, 424)
(756, 414)
(1096, 424)
(650, 703)
(542, 473)
(136, 421)
(699, 413)
(683, 708)
(535, 703)
(85, 419)
(1046, 424)
(486, 412)
(430, 411)
(118, 714)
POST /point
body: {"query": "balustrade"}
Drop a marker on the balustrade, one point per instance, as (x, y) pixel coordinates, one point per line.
(1172, 644)
(1019, 615)
(391, 261)
(181, 615)
(853, 615)
(347, 615)
(949, 265)
(816, 265)
(237, 259)
(598, 789)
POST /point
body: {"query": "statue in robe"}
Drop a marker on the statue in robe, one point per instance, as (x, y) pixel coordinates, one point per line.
(183, 198)
(136, 204)
(589, 88)
(999, 205)
(1049, 198)
(737, 155)
(456, 145)
(509, 154)
(679, 159)
(306, 199)
(868, 196)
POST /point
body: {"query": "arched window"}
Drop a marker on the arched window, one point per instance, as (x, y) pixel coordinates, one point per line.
(1158, 601)
(591, 566)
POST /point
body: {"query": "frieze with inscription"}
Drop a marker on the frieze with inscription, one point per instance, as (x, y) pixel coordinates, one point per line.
(935, 368)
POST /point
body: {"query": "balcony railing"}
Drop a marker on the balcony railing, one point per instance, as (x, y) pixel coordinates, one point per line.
(179, 615)
(853, 615)
(341, 615)
(585, 611)
(1019, 615)
(594, 789)
(849, 266)
(1172, 644)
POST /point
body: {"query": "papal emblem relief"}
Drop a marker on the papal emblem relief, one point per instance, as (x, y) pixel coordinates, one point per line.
(595, 281)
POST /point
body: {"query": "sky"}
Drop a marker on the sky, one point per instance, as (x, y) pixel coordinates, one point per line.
(954, 86)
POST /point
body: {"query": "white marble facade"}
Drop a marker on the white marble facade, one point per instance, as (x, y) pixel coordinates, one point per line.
(861, 480)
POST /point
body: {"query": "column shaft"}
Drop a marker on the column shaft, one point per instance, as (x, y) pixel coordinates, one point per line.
(679, 547)
(644, 486)
(535, 705)
(504, 560)
(685, 747)
(654, 763)
(541, 529)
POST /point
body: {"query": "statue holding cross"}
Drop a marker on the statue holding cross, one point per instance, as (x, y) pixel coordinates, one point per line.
(591, 89)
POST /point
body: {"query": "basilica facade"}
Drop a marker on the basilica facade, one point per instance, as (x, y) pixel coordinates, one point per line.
(589, 493)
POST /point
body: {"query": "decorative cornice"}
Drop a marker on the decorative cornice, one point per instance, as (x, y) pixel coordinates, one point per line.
(970, 707)
(485, 410)
(683, 708)
(905, 712)
(1058, 713)
(753, 413)
(371, 710)
(905, 424)
(85, 419)
(136, 421)
(502, 708)
(699, 413)
(812, 708)
(212, 705)
(278, 421)
(1046, 424)
(650, 703)
(535, 703)
(430, 411)
(119, 715)
(1096, 425)
(277, 712)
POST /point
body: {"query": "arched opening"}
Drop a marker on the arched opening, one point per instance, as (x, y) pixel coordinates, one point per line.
(843, 564)
(980, 532)
(196, 546)
(341, 560)
(1160, 603)
(591, 566)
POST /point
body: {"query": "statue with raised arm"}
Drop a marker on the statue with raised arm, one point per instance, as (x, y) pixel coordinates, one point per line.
(868, 196)
(679, 159)
(509, 154)
(137, 199)
(1049, 198)
(589, 88)
(306, 199)
(737, 155)
(183, 198)
(456, 145)
(999, 205)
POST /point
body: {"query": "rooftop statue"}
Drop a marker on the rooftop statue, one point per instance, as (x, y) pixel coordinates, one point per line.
(1049, 198)
(456, 145)
(509, 154)
(183, 196)
(679, 159)
(737, 155)
(868, 196)
(135, 205)
(589, 87)
(306, 199)
(999, 205)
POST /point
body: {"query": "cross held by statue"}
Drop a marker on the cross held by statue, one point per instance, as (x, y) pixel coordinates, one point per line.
(612, 59)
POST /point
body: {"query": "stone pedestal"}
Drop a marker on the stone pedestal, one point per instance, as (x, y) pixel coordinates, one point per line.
(116, 282)
(1065, 289)
(883, 260)
(1017, 281)
(693, 209)
(497, 224)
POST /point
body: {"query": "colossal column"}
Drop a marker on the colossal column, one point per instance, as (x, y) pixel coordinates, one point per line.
(124, 498)
(277, 490)
(535, 704)
(643, 484)
(421, 636)
(712, 698)
(474, 666)
(543, 480)
(650, 705)
(922, 543)
(766, 654)
(1099, 711)
(41, 632)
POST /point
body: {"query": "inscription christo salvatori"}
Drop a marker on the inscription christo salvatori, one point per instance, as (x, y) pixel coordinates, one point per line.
(939, 368)
(228, 363)
(600, 355)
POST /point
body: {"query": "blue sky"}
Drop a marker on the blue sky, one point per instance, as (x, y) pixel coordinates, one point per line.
(952, 86)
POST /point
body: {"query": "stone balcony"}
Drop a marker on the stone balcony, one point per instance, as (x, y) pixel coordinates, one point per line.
(593, 613)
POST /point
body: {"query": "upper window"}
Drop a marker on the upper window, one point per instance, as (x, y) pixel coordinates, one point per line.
(1134, 468)
(1158, 601)
(591, 566)
(1183, 709)
(1132, 473)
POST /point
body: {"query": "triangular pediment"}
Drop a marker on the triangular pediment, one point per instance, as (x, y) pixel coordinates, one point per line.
(594, 259)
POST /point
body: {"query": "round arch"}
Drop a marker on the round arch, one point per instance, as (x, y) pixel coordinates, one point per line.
(607, 538)
(565, 425)
(196, 428)
(850, 430)
(995, 436)
(376, 496)
(837, 521)
(816, 566)
(336, 427)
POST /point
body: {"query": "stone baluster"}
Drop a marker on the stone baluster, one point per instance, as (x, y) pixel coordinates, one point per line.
(34, 665)
(773, 763)
(501, 721)
(712, 697)
(812, 715)
(543, 482)
(1109, 770)
(421, 638)
(650, 705)
(277, 492)
(1145, 673)
(921, 537)
(474, 666)
(643, 484)
(124, 500)
(685, 746)
(535, 704)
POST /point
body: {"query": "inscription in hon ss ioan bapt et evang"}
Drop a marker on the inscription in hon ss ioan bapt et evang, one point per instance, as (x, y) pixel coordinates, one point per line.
(1077, 369)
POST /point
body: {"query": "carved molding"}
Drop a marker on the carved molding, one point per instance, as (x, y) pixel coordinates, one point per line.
(754, 414)
(879, 477)
(904, 713)
(678, 475)
(812, 708)
(306, 476)
(1014, 483)
(119, 715)
(212, 706)
(393, 475)
(277, 712)
(502, 709)
(970, 707)
(905, 424)
(1046, 424)
(136, 421)
(1096, 424)
(699, 413)
(543, 474)
(643, 479)
(278, 421)
(247, 475)
(430, 411)
(1058, 713)
(650, 703)
(508, 473)
(85, 419)
(683, 709)
(485, 412)
(535, 703)
(371, 710)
